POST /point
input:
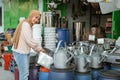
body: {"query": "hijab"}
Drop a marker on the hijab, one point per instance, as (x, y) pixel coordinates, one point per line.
(17, 32)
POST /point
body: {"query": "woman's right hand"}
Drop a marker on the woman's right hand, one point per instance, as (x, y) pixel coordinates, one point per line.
(41, 50)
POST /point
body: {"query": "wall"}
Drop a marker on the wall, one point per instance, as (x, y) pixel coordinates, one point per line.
(116, 24)
(1, 16)
(14, 9)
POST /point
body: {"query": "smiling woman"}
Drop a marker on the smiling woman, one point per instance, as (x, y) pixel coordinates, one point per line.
(23, 41)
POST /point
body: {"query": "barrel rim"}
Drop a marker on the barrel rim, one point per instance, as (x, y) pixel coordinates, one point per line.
(110, 74)
(52, 68)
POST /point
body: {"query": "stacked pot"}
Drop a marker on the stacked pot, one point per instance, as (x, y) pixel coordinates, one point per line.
(37, 32)
(50, 38)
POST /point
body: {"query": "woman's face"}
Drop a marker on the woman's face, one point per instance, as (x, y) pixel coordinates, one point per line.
(36, 19)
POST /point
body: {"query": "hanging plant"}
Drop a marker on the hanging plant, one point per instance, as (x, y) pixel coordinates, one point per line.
(64, 19)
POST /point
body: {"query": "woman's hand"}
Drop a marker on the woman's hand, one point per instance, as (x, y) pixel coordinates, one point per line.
(40, 50)
(43, 50)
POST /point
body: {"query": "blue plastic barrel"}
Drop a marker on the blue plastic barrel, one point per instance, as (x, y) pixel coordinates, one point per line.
(33, 73)
(61, 74)
(115, 67)
(109, 75)
(62, 34)
(95, 73)
(43, 75)
(83, 76)
(106, 65)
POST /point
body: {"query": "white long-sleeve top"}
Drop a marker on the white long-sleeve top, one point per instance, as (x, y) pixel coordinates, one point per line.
(26, 41)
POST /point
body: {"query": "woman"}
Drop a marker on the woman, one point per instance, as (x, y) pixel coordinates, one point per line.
(23, 42)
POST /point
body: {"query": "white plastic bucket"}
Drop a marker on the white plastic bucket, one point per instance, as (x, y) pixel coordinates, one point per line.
(45, 60)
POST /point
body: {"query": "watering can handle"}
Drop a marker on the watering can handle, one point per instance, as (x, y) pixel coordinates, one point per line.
(58, 46)
(91, 50)
(72, 55)
(113, 50)
(102, 58)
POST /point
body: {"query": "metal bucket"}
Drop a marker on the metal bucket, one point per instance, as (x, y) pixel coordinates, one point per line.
(83, 76)
(109, 75)
(61, 74)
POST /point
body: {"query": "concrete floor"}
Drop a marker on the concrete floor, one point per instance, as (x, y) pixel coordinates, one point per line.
(5, 74)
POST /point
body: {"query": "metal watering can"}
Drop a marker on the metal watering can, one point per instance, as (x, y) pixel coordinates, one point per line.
(81, 60)
(62, 57)
(96, 59)
(82, 63)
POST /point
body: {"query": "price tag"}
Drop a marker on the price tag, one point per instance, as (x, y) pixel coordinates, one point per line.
(92, 37)
(100, 41)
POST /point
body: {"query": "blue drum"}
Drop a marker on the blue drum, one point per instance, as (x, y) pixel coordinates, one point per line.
(109, 75)
(61, 74)
(43, 75)
(33, 73)
(115, 67)
(83, 76)
(62, 34)
(106, 65)
(95, 73)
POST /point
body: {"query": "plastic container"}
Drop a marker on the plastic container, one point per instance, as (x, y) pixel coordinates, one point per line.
(43, 69)
(7, 58)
